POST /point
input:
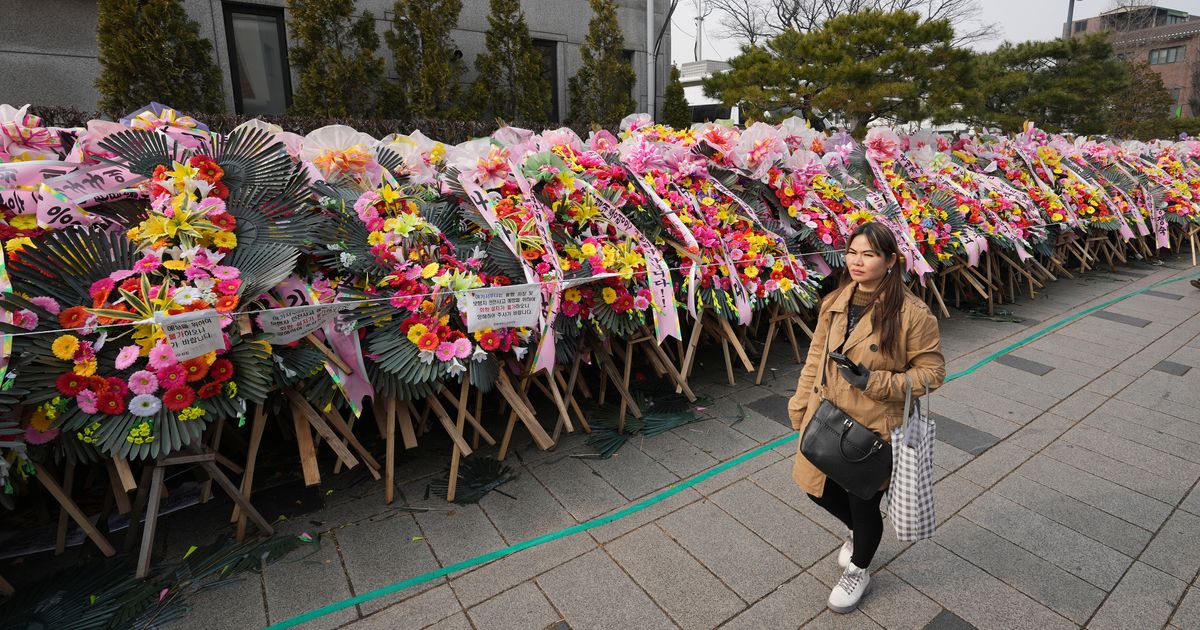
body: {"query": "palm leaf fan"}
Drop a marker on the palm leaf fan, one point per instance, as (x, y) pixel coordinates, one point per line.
(263, 266)
(251, 358)
(501, 261)
(66, 263)
(142, 151)
(477, 476)
(401, 357)
(388, 159)
(346, 234)
(857, 164)
(443, 214)
(483, 373)
(270, 216)
(390, 385)
(254, 158)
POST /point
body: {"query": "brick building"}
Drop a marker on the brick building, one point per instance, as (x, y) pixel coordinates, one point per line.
(49, 48)
(1167, 39)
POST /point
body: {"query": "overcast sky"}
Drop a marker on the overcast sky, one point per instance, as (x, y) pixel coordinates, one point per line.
(1017, 20)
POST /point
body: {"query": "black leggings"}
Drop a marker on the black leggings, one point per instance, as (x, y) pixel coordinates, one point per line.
(862, 517)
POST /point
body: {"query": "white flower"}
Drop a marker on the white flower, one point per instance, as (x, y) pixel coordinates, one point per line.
(347, 259)
(455, 368)
(426, 356)
(479, 356)
(186, 295)
(520, 351)
(144, 405)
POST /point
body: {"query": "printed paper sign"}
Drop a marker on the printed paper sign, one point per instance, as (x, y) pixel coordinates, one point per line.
(288, 325)
(192, 334)
(517, 306)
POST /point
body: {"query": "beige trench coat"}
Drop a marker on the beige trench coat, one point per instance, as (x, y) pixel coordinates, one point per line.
(879, 407)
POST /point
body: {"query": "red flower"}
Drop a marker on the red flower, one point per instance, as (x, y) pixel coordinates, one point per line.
(196, 369)
(221, 370)
(226, 303)
(98, 384)
(110, 403)
(623, 304)
(178, 398)
(428, 341)
(225, 221)
(220, 191)
(114, 385)
(70, 384)
(73, 317)
(133, 284)
(489, 340)
(210, 171)
(208, 390)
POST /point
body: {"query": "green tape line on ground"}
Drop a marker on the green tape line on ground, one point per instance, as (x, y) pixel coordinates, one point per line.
(665, 494)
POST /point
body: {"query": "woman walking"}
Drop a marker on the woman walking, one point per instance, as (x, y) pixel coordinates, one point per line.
(885, 333)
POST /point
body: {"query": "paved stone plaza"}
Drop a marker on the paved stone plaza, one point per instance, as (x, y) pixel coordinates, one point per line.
(1067, 496)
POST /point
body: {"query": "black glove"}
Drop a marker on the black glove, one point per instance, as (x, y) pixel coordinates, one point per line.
(856, 374)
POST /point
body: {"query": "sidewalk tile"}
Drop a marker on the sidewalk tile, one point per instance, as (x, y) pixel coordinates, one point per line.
(715, 438)
(1176, 547)
(299, 584)
(1079, 404)
(380, 553)
(1166, 489)
(774, 521)
(1025, 365)
(947, 620)
(584, 493)
(529, 510)
(1134, 454)
(500, 575)
(1192, 502)
(777, 480)
(1092, 522)
(591, 591)
(742, 470)
(963, 437)
(1109, 383)
(970, 593)
(1042, 431)
(632, 472)
(786, 608)
(749, 566)
(1070, 550)
(1145, 598)
(999, 405)
(427, 608)
(236, 604)
(995, 464)
(521, 607)
(1187, 615)
(1172, 368)
(614, 529)
(963, 413)
(456, 622)
(951, 494)
(459, 534)
(1115, 499)
(690, 594)
(893, 603)
(830, 620)
(676, 454)
(1053, 587)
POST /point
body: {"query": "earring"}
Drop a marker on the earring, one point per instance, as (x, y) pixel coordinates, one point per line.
(889, 270)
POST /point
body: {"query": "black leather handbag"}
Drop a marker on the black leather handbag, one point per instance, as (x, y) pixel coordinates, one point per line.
(853, 456)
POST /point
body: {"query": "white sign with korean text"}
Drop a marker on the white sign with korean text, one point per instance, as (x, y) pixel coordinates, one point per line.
(192, 334)
(289, 324)
(516, 306)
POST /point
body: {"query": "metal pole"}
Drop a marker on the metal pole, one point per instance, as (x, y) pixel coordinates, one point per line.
(651, 101)
(1070, 30)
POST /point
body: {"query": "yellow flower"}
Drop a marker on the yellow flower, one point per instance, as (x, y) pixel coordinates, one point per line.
(87, 368)
(40, 421)
(388, 194)
(416, 331)
(751, 271)
(18, 244)
(588, 250)
(225, 240)
(176, 265)
(134, 234)
(785, 284)
(65, 346)
(374, 238)
(23, 221)
(430, 270)
(572, 295)
(609, 295)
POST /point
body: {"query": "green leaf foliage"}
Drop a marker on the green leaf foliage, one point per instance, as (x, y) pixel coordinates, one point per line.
(602, 91)
(676, 111)
(856, 68)
(510, 85)
(334, 53)
(428, 64)
(150, 51)
(1062, 85)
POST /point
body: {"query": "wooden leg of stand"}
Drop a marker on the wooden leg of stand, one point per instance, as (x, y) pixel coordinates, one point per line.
(733, 339)
(583, 423)
(456, 453)
(472, 419)
(60, 541)
(766, 353)
(218, 476)
(689, 355)
(206, 487)
(405, 422)
(308, 450)
(335, 420)
(6, 589)
(256, 432)
(728, 361)
(625, 386)
(389, 464)
(156, 482)
(51, 486)
(139, 506)
(120, 493)
(614, 376)
(680, 381)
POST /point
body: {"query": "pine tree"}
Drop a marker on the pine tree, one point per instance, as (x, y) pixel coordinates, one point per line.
(601, 92)
(676, 111)
(510, 83)
(428, 63)
(334, 53)
(150, 51)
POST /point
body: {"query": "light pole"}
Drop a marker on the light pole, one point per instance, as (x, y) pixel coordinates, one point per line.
(1070, 30)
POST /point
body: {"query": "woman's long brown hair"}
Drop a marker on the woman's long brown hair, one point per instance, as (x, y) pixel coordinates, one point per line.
(889, 298)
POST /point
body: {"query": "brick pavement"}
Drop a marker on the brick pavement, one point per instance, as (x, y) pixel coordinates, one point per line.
(1067, 496)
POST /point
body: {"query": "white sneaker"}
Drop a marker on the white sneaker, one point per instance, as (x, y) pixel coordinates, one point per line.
(846, 552)
(849, 590)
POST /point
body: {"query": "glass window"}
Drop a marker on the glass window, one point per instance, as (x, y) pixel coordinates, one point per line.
(258, 59)
(549, 50)
(1166, 55)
